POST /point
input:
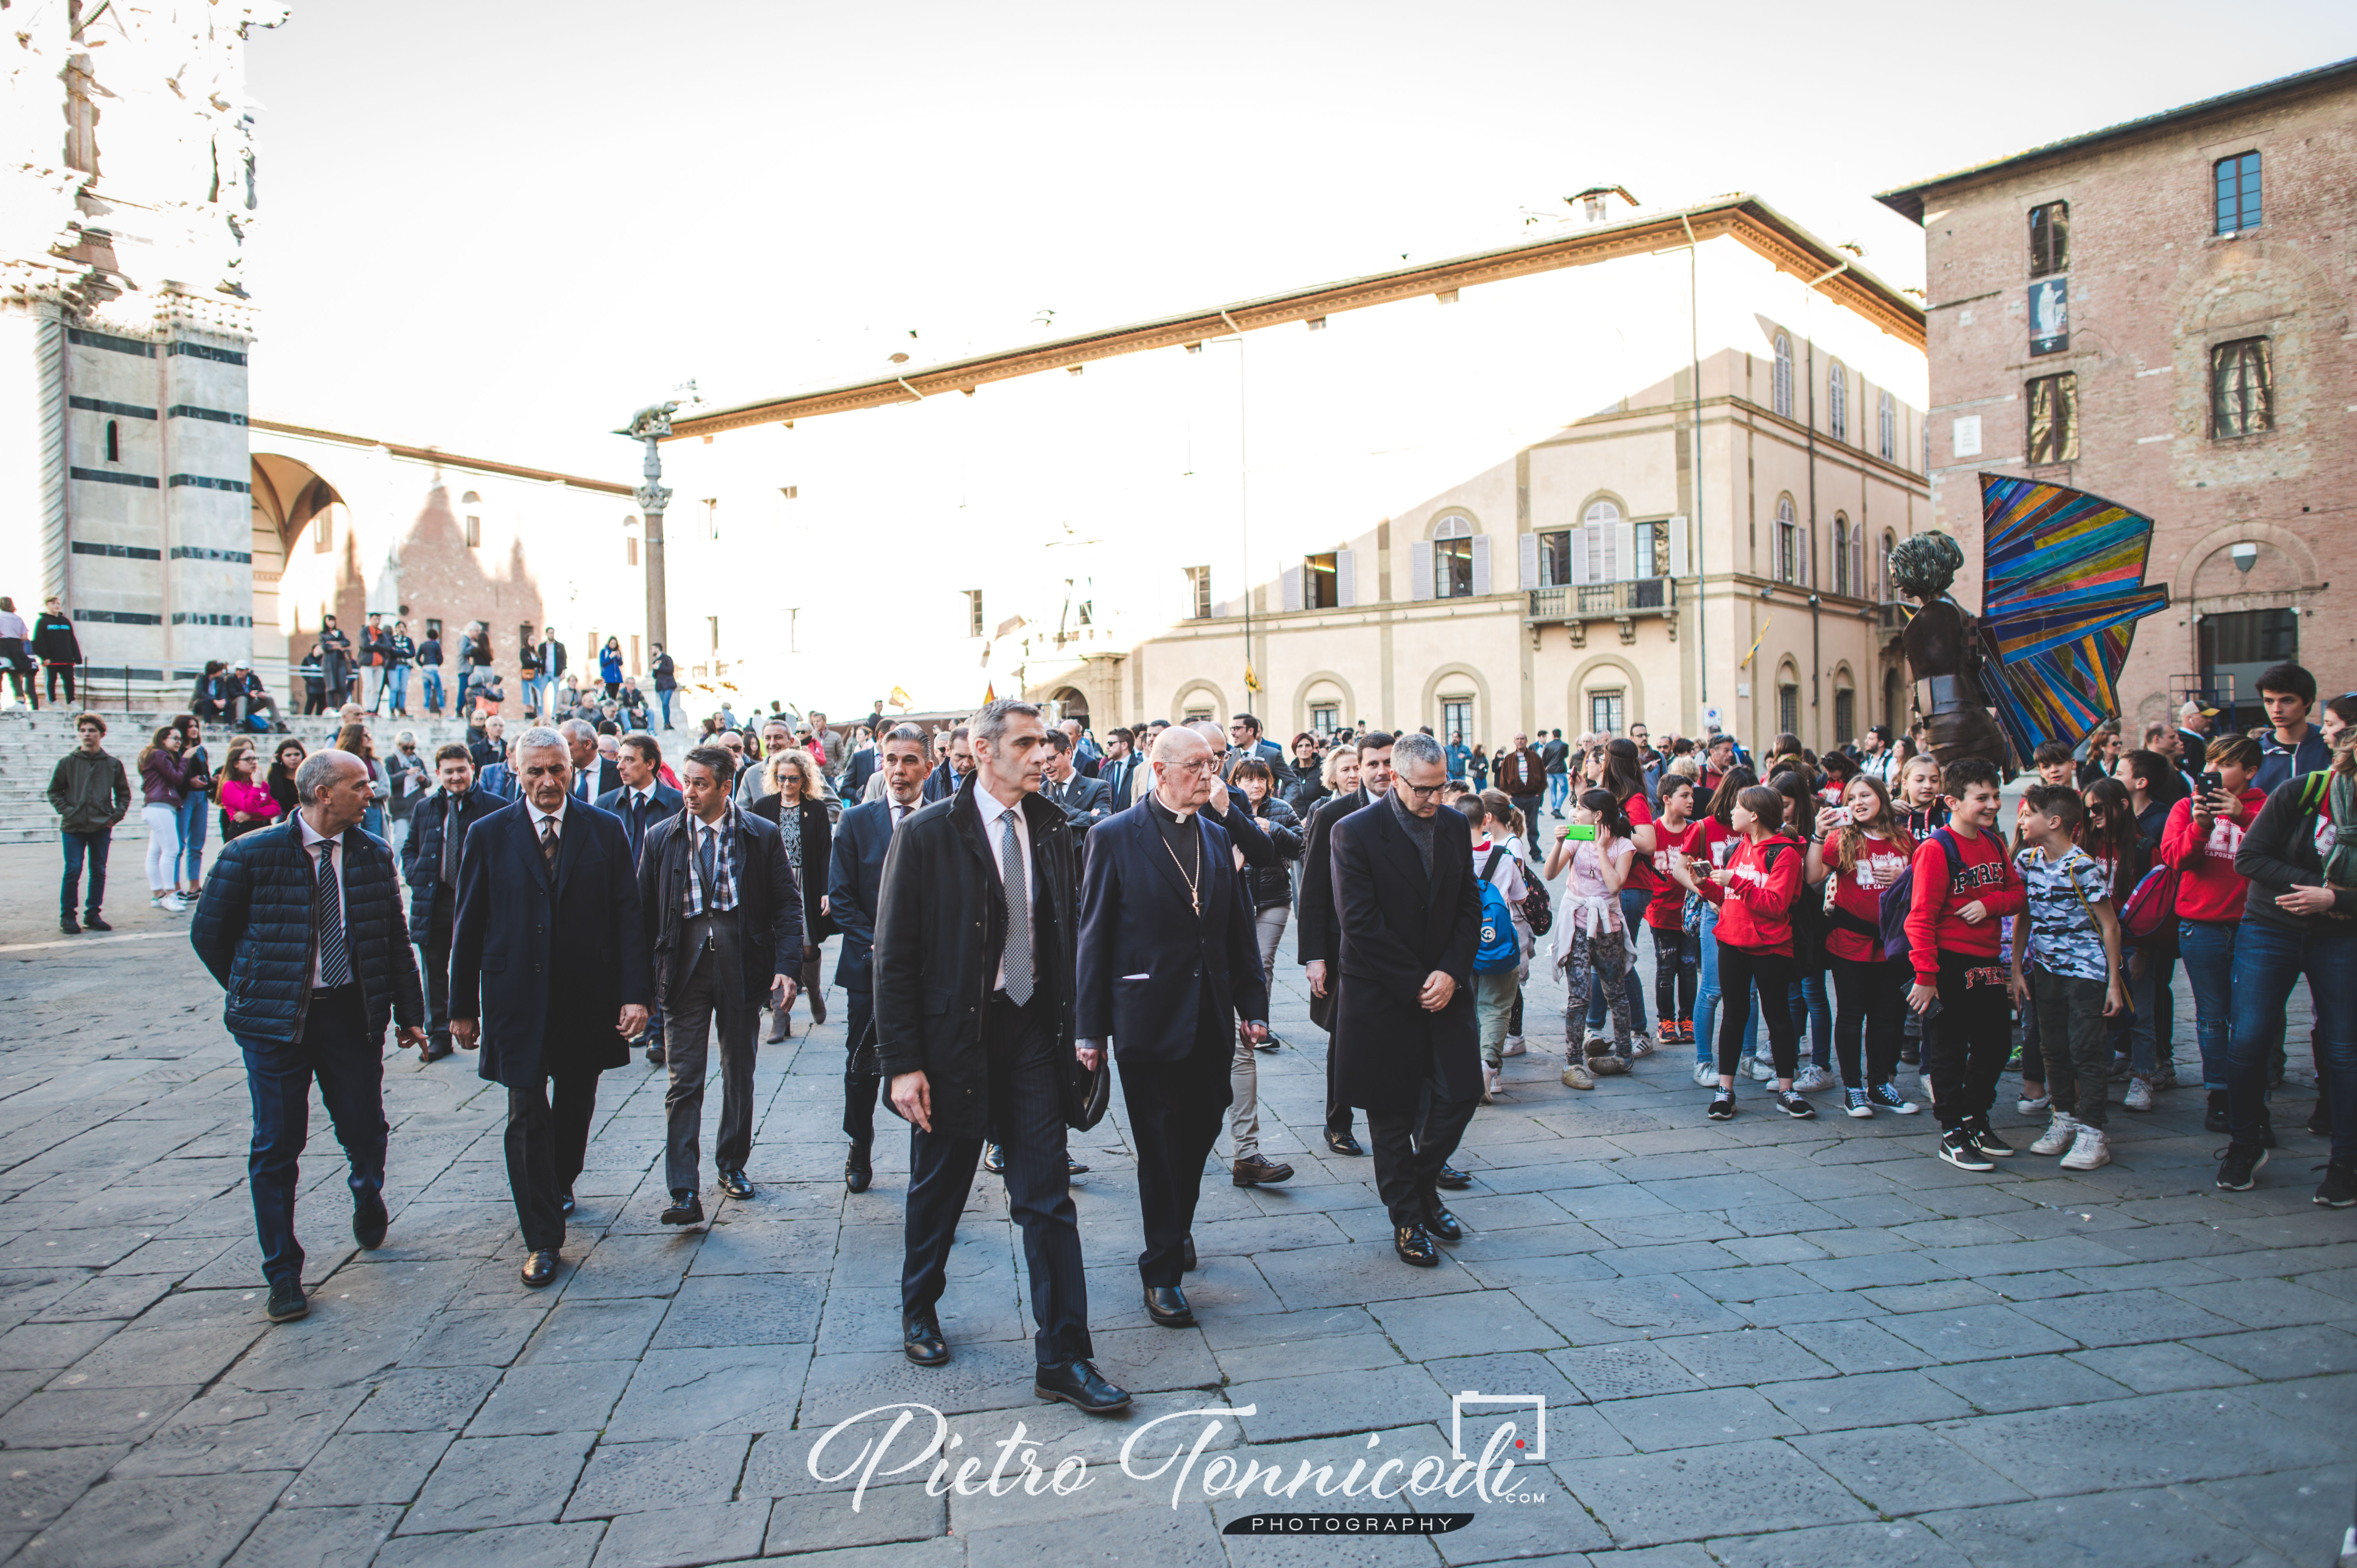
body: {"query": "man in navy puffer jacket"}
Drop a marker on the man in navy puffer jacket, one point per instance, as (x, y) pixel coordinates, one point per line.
(301, 924)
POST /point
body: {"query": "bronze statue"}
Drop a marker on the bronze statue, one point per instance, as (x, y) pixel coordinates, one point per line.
(1943, 644)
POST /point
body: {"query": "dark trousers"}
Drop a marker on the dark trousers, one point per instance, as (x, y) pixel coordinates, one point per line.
(2078, 1046)
(711, 993)
(1740, 969)
(1338, 1109)
(1027, 1121)
(1871, 1001)
(2269, 960)
(1677, 968)
(93, 846)
(349, 1066)
(1965, 1049)
(859, 1089)
(1410, 1147)
(547, 1142)
(54, 671)
(1175, 1110)
(433, 954)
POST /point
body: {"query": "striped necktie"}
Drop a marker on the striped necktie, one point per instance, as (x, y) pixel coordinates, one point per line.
(1019, 912)
(328, 915)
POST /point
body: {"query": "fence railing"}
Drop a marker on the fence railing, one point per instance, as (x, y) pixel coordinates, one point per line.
(1605, 601)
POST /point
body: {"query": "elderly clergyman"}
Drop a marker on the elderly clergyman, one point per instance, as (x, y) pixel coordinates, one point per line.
(301, 924)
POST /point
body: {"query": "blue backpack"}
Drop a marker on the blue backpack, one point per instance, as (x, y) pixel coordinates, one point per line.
(1500, 946)
(1899, 896)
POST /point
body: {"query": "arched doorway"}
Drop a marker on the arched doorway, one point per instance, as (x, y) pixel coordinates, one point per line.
(1071, 704)
(301, 532)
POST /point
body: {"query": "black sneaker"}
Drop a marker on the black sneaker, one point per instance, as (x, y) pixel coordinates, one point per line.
(1886, 1097)
(286, 1302)
(90, 922)
(1722, 1109)
(2339, 1188)
(1960, 1149)
(2319, 1121)
(2213, 1117)
(2238, 1166)
(67, 925)
(1793, 1103)
(1987, 1141)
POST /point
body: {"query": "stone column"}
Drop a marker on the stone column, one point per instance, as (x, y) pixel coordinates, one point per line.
(649, 426)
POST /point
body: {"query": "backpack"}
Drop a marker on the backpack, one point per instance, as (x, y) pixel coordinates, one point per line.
(1500, 947)
(2150, 908)
(1538, 910)
(1899, 896)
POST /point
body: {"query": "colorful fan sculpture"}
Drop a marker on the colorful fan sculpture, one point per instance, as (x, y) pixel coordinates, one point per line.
(2062, 589)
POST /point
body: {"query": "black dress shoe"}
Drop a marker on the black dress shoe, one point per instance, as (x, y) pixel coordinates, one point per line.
(1258, 1168)
(993, 1159)
(1343, 1144)
(286, 1302)
(856, 1173)
(654, 1056)
(686, 1208)
(436, 1050)
(1079, 1383)
(921, 1339)
(369, 1223)
(733, 1183)
(539, 1268)
(565, 1203)
(1167, 1304)
(90, 922)
(1073, 1167)
(1443, 1226)
(1415, 1247)
(1272, 1043)
(1187, 1254)
(1452, 1178)
(69, 926)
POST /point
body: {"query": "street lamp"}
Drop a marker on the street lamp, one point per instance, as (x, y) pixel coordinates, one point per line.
(649, 426)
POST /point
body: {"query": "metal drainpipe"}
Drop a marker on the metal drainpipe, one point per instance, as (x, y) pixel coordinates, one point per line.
(1693, 350)
(1817, 624)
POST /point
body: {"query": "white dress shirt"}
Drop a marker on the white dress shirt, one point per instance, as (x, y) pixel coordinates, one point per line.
(988, 805)
(312, 837)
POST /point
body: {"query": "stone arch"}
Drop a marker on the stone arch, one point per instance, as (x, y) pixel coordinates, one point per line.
(1576, 709)
(2290, 545)
(1472, 523)
(1449, 675)
(1307, 688)
(1219, 700)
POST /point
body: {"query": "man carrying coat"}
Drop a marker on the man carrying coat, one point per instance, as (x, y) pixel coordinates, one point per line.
(974, 969)
(301, 924)
(723, 919)
(1407, 919)
(548, 968)
(1169, 957)
(855, 880)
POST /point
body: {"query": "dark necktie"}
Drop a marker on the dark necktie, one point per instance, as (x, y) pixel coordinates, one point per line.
(328, 914)
(548, 847)
(450, 831)
(1019, 912)
(710, 856)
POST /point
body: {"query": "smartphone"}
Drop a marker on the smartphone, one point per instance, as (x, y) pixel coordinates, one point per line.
(2212, 784)
(1583, 831)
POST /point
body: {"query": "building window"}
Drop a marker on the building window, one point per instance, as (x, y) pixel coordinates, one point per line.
(1555, 558)
(1788, 541)
(2054, 419)
(1653, 549)
(2237, 181)
(2049, 239)
(323, 531)
(1602, 530)
(1320, 583)
(629, 553)
(1788, 709)
(1452, 559)
(1845, 714)
(1882, 566)
(1457, 721)
(714, 621)
(1838, 402)
(474, 532)
(434, 629)
(1199, 597)
(1887, 430)
(114, 442)
(1084, 612)
(792, 492)
(973, 612)
(1781, 388)
(2241, 388)
(1841, 555)
(1325, 717)
(1606, 711)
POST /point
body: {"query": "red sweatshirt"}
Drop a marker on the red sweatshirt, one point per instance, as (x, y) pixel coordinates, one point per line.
(2208, 885)
(1755, 907)
(1985, 873)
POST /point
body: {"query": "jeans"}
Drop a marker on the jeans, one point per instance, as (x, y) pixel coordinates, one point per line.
(372, 684)
(2267, 959)
(1558, 790)
(2208, 947)
(1632, 915)
(1706, 998)
(459, 694)
(1268, 926)
(1810, 1012)
(662, 701)
(2152, 1036)
(193, 813)
(334, 1049)
(94, 847)
(398, 679)
(430, 675)
(163, 845)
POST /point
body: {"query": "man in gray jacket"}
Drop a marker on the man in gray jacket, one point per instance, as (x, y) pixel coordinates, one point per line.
(90, 794)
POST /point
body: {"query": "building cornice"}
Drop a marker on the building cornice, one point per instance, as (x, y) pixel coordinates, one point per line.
(442, 460)
(1744, 219)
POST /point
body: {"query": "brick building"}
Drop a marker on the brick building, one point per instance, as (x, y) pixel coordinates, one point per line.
(2158, 312)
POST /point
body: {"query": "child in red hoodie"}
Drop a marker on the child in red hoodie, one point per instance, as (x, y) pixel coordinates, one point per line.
(1754, 892)
(2202, 834)
(1964, 886)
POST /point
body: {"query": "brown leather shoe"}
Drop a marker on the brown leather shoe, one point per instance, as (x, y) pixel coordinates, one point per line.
(1258, 1168)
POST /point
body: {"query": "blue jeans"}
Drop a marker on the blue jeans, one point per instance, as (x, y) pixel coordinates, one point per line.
(2208, 947)
(662, 699)
(398, 679)
(459, 694)
(430, 676)
(535, 693)
(335, 1049)
(2152, 1033)
(2267, 959)
(193, 813)
(1558, 790)
(1632, 915)
(1810, 1012)
(79, 845)
(1705, 1013)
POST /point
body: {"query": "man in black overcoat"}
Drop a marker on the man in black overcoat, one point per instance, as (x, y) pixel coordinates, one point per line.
(855, 884)
(1315, 940)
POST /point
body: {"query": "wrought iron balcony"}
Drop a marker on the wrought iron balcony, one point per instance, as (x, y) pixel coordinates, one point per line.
(1622, 602)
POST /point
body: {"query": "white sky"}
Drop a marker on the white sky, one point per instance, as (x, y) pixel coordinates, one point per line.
(500, 227)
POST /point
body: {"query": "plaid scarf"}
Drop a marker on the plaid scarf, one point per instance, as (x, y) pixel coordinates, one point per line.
(724, 886)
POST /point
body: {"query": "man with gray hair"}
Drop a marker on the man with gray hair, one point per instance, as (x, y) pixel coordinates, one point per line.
(318, 887)
(594, 774)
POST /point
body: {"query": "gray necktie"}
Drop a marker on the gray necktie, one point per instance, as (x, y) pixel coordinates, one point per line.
(1019, 912)
(327, 913)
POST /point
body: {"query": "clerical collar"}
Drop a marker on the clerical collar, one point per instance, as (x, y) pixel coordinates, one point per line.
(1154, 802)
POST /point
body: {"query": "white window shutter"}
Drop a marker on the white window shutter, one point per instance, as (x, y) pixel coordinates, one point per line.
(1480, 565)
(1526, 567)
(1577, 539)
(1616, 538)
(1419, 569)
(1346, 578)
(1293, 587)
(1624, 537)
(1678, 567)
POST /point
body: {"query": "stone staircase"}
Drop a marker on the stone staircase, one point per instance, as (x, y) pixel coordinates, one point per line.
(31, 743)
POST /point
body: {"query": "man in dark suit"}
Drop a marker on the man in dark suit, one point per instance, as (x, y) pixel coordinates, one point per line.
(548, 962)
(301, 924)
(1316, 941)
(593, 776)
(430, 857)
(972, 980)
(1408, 915)
(1245, 733)
(642, 800)
(1121, 760)
(867, 757)
(855, 882)
(724, 918)
(1086, 801)
(1169, 963)
(956, 767)
(489, 744)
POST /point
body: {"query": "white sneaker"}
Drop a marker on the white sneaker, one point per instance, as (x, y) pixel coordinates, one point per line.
(1640, 1045)
(2139, 1095)
(1813, 1079)
(1513, 1046)
(1763, 1069)
(1707, 1075)
(2031, 1105)
(2090, 1150)
(2057, 1135)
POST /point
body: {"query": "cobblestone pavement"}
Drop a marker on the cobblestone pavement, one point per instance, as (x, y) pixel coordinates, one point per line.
(1760, 1342)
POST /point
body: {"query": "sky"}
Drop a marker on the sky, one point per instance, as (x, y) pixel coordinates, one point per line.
(499, 229)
